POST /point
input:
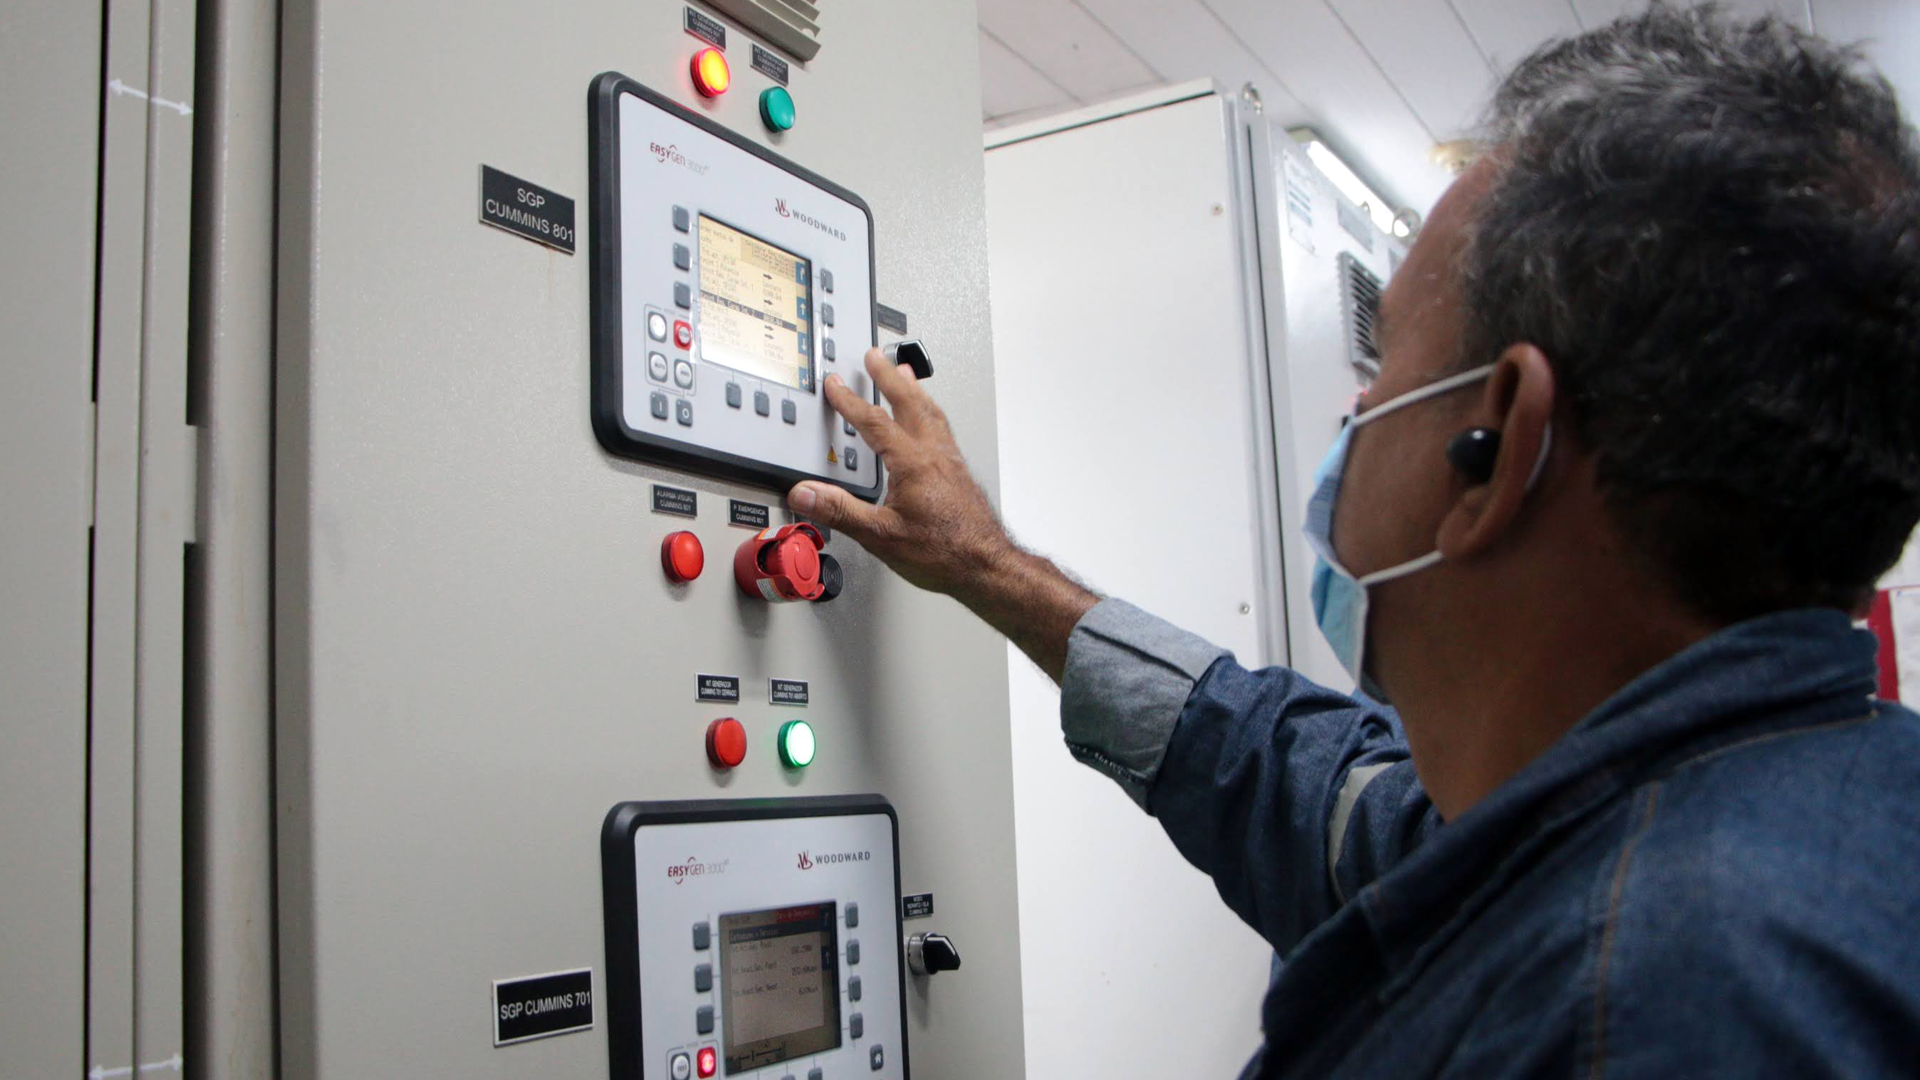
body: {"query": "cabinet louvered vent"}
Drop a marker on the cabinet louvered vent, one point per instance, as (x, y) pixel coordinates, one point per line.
(1360, 301)
(793, 25)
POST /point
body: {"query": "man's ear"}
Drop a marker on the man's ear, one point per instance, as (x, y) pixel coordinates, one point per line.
(1518, 403)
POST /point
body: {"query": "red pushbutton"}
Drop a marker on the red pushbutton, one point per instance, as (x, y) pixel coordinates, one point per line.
(726, 743)
(708, 1063)
(781, 566)
(682, 334)
(682, 557)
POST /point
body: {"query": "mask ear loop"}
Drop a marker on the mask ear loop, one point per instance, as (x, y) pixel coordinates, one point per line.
(1540, 463)
(1414, 397)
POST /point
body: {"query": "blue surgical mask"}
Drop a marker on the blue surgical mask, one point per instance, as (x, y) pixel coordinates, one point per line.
(1340, 598)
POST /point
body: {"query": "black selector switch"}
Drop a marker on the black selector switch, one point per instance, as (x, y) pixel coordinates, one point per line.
(930, 954)
(913, 354)
(832, 580)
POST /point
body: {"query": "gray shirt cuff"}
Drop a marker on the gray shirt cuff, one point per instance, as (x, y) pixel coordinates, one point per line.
(1128, 677)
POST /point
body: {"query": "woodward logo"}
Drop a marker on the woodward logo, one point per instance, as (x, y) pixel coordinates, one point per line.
(693, 868)
(780, 207)
(808, 860)
(672, 154)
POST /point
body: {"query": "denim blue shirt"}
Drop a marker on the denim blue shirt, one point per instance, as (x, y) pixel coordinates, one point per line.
(1716, 873)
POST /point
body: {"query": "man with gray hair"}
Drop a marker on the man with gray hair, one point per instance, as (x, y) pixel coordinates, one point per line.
(1643, 439)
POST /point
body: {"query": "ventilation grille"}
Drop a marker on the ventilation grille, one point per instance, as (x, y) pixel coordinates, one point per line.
(793, 25)
(1360, 302)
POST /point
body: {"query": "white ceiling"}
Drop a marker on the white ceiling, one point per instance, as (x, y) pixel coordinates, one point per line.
(1381, 80)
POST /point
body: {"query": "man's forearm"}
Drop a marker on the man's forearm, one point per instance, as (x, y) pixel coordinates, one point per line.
(1032, 602)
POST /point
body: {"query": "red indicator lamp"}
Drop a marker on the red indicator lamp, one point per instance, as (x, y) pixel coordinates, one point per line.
(726, 743)
(682, 557)
(708, 1060)
(711, 75)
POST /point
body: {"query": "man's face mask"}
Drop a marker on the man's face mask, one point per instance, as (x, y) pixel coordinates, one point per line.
(1339, 598)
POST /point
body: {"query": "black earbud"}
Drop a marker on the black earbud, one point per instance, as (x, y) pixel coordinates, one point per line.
(1473, 452)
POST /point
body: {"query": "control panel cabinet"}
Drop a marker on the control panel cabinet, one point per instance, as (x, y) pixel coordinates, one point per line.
(530, 559)
(728, 282)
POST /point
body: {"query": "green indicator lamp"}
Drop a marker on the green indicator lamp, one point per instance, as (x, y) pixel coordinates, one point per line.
(796, 744)
(776, 108)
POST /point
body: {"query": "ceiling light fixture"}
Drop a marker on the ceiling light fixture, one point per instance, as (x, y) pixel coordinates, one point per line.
(1345, 179)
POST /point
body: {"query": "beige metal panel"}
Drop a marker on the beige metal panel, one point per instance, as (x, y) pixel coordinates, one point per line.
(50, 78)
(476, 653)
(165, 527)
(119, 337)
(229, 743)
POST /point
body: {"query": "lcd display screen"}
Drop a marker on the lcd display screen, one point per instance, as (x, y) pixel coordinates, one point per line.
(756, 307)
(780, 977)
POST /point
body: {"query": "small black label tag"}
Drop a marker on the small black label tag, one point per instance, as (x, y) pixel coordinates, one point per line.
(786, 692)
(706, 28)
(917, 906)
(510, 203)
(747, 515)
(892, 318)
(718, 687)
(542, 1005)
(673, 500)
(769, 65)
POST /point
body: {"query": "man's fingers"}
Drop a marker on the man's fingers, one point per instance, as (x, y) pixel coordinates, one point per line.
(836, 509)
(870, 420)
(911, 403)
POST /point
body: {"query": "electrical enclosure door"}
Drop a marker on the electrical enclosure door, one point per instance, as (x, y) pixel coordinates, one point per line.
(728, 282)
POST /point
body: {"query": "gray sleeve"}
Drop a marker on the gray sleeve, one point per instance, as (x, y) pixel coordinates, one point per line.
(1128, 677)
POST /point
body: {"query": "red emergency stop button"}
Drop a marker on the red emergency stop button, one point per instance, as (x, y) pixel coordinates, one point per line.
(682, 334)
(708, 1063)
(781, 565)
(682, 557)
(726, 743)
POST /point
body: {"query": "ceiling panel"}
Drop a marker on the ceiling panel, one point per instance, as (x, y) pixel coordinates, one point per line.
(1352, 103)
(1061, 39)
(1009, 85)
(1427, 52)
(1596, 12)
(1381, 80)
(1184, 40)
(1795, 11)
(1888, 30)
(1508, 30)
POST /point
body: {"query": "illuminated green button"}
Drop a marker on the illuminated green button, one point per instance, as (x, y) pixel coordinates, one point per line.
(776, 108)
(796, 744)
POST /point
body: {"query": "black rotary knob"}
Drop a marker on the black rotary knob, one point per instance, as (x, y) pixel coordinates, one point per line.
(930, 954)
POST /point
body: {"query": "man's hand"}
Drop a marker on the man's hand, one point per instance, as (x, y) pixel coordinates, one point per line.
(936, 527)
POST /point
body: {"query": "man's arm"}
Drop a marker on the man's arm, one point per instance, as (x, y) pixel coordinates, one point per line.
(1289, 795)
(936, 528)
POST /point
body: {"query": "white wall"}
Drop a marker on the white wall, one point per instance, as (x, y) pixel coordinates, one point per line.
(1907, 570)
(1126, 448)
